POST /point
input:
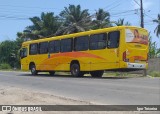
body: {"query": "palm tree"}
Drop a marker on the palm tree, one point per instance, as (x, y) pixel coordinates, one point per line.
(157, 29)
(75, 20)
(120, 22)
(43, 26)
(153, 50)
(152, 47)
(102, 19)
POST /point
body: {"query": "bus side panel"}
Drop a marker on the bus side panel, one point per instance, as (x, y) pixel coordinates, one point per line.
(60, 61)
(110, 57)
(106, 59)
(39, 61)
(122, 64)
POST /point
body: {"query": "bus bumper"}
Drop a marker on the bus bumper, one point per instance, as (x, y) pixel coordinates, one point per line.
(137, 65)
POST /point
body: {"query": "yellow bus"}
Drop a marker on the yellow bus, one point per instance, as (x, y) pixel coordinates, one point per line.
(94, 51)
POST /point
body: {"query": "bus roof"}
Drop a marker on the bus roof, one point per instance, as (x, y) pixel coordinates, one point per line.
(80, 34)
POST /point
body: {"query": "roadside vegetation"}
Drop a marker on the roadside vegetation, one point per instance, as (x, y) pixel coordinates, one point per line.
(70, 20)
(154, 73)
(5, 66)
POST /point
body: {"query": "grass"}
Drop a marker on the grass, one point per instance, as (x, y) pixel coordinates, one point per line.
(106, 74)
(5, 66)
(154, 73)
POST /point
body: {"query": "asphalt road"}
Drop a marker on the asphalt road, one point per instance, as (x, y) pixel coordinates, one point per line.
(107, 90)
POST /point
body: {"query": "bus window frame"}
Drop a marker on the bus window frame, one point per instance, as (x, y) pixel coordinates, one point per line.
(39, 47)
(74, 44)
(66, 46)
(106, 36)
(37, 51)
(109, 37)
(54, 46)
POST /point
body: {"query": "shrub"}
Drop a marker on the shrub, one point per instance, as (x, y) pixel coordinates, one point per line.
(5, 66)
(155, 74)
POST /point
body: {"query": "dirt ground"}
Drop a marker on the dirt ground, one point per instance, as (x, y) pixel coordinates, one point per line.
(18, 96)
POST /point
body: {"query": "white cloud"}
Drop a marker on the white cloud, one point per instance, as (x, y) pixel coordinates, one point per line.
(146, 4)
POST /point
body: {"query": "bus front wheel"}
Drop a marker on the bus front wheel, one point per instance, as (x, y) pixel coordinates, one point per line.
(97, 73)
(33, 70)
(75, 70)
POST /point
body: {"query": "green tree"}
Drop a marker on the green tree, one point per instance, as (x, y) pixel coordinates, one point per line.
(43, 26)
(120, 22)
(153, 50)
(9, 51)
(102, 19)
(152, 47)
(18, 42)
(157, 29)
(75, 20)
(158, 52)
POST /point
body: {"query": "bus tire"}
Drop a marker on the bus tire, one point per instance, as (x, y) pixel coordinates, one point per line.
(75, 70)
(97, 73)
(51, 73)
(33, 70)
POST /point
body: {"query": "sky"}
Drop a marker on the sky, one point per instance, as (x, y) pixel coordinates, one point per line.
(14, 14)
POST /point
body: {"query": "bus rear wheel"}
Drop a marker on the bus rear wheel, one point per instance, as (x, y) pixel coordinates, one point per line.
(75, 70)
(33, 70)
(97, 73)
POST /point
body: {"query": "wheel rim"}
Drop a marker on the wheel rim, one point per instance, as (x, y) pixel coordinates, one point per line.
(33, 69)
(75, 70)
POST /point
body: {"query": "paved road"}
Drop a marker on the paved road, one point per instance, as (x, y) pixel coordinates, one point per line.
(126, 91)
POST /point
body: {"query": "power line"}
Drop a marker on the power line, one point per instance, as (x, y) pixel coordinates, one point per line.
(127, 11)
(28, 7)
(13, 17)
(25, 11)
(29, 14)
(115, 4)
(137, 2)
(110, 4)
(114, 7)
(121, 15)
(149, 16)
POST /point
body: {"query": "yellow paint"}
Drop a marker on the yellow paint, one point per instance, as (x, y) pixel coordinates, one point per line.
(90, 60)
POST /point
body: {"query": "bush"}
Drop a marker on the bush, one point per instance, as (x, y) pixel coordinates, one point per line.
(155, 74)
(5, 66)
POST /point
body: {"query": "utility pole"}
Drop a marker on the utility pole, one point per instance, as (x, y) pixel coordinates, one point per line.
(142, 25)
(142, 16)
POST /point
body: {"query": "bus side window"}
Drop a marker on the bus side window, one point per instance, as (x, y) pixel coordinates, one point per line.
(43, 47)
(81, 43)
(54, 46)
(66, 45)
(57, 46)
(33, 49)
(113, 39)
(98, 41)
